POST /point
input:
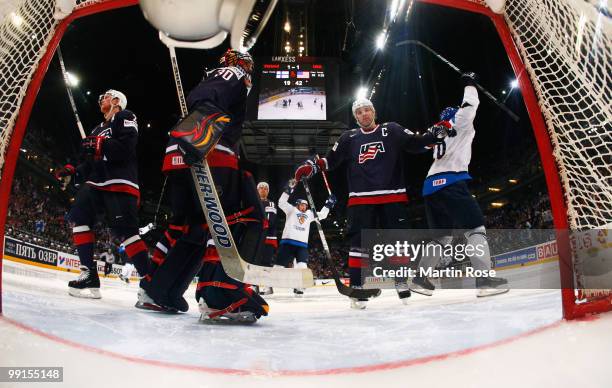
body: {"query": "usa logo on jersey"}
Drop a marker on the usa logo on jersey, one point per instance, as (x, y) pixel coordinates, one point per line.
(370, 150)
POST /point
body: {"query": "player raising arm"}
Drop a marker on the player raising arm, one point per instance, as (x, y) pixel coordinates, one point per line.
(294, 243)
(448, 202)
(377, 191)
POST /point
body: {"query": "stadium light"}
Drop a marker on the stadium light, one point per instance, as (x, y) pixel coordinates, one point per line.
(497, 204)
(72, 80)
(287, 26)
(513, 181)
(361, 92)
(494, 189)
(514, 84)
(380, 41)
(16, 19)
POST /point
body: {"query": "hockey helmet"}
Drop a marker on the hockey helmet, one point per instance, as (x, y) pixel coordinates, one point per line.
(301, 202)
(115, 94)
(263, 185)
(237, 58)
(448, 114)
(360, 103)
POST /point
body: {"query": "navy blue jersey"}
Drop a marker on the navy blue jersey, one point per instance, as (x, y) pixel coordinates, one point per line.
(375, 161)
(225, 88)
(118, 168)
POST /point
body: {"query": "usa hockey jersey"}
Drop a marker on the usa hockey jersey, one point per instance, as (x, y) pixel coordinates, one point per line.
(297, 223)
(270, 212)
(117, 170)
(375, 159)
(225, 88)
(452, 157)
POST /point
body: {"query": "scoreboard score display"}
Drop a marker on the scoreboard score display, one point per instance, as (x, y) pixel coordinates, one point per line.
(292, 89)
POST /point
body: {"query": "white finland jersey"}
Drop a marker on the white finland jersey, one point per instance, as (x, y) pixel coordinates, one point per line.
(297, 224)
(455, 154)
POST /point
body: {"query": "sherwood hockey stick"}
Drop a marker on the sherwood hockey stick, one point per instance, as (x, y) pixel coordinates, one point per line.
(342, 288)
(455, 68)
(234, 265)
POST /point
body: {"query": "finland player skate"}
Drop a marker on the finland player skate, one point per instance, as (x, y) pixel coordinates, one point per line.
(86, 286)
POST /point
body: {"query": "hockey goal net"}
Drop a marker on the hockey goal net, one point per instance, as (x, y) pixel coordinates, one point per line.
(560, 51)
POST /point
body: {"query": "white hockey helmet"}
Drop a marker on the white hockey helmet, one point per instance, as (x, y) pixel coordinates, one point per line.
(115, 94)
(300, 202)
(263, 184)
(360, 103)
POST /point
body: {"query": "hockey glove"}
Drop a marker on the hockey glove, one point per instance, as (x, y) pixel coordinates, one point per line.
(331, 202)
(199, 132)
(290, 186)
(438, 133)
(451, 132)
(309, 168)
(65, 171)
(92, 146)
(469, 79)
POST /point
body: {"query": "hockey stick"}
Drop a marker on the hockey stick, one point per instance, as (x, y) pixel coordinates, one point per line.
(234, 265)
(70, 97)
(342, 288)
(455, 68)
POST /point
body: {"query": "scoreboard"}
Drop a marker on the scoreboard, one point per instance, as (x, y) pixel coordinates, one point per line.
(292, 88)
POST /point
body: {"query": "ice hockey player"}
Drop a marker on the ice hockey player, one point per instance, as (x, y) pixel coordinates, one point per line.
(294, 243)
(377, 192)
(217, 106)
(110, 174)
(448, 202)
(271, 240)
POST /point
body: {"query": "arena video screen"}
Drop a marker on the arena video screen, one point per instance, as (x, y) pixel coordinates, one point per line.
(292, 91)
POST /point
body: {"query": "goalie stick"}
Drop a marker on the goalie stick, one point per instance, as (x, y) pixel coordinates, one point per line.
(342, 288)
(234, 265)
(455, 68)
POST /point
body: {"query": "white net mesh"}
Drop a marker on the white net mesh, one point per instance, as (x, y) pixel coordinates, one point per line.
(25, 29)
(566, 46)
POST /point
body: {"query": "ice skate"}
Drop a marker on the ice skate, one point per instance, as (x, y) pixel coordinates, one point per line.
(145, 302)
(225, 316)
(87, 285)
(266, 290)
(359, 304)
(422, 285)
(491, 286)
(298, 292)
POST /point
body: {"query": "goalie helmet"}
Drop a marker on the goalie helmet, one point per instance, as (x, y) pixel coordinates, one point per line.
(236, 58)
(360, 103)
(115, 94)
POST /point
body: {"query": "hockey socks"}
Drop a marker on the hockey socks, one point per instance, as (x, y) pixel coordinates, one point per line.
(83, 239)
(167, 242)
(137, 252)
(356, 261)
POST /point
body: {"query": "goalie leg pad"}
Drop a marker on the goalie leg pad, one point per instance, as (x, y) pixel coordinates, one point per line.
(224, 294)
(199, 132)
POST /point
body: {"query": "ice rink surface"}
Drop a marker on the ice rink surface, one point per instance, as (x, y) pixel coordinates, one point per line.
(310, 110)
(313, 340)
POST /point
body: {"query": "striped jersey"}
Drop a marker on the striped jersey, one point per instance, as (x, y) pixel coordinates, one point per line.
(375, 161)
(117, 170)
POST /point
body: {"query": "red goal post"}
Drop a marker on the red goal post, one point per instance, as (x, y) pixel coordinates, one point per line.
(559, 54)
